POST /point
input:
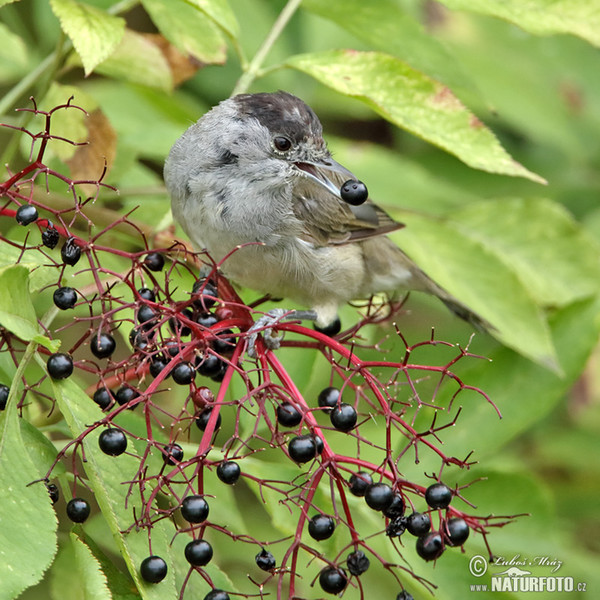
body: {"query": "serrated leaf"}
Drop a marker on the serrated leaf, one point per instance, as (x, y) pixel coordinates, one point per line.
(27, 521)
(578, 17)
(93, 580)
(413, 101)
(541, 242)
(94, 33)
(106, 476)
(188, 29)
(476, 276)
(220, 12)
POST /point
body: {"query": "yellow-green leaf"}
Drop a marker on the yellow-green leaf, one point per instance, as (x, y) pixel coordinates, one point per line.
(220, 12)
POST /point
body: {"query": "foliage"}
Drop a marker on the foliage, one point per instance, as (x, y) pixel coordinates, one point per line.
(479, 135)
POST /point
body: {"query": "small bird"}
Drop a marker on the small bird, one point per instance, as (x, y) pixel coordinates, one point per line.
(255, 168)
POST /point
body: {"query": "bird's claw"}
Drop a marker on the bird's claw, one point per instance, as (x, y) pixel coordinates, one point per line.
(264, 325)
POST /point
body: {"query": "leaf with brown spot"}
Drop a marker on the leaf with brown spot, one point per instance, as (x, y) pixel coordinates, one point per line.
(182, 67)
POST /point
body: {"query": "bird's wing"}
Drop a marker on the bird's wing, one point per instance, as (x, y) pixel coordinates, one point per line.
(328, 220)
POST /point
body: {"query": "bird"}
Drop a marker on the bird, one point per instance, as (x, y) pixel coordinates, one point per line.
(253, 180)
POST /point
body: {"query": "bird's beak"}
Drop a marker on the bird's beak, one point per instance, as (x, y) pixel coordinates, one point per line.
(318, 171)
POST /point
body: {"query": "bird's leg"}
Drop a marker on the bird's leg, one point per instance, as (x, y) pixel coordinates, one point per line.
(265, 325)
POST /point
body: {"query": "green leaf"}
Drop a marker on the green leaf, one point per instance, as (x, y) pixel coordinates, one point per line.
(385, 26)
(13, 52)
(27, 520)
(93, 581)
(106, 476)
(540, 241)
(138, 60)
(94, 33)
(220, 12)
(188, 29)
(475, 275)
(578, 17)
(414, 102)
(32, 261)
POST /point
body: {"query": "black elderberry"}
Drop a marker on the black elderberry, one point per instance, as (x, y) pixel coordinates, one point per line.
(430, 546)
(70, 252)
(203, 418)
(138, 339)
(217, 594)
(209, 365)
(126, 394)
(321, 527)
(4, 392)
(103, 397)
(64, 297)
(172, 454)
(112, 441)
(146, 315)
(354, 192)
(357, 562)
(153, 569)
(265, 560)
(319, 445)
(154, 261)
(224, 343)
(333, 580)
(183, 373)
(328, 398)
(103, 345)
(157, 365)
(229, 472)
(396, 508)
(178, 327)
(330, 330)
(404, 595)
(396, 527)
(198, 553)
(60, 365)
(50, 237)
(343, 417)
(206, 319)
(458, 532)
(379, 496)
(172, 348)
(359, 482)
(205, 294)
(26, 214)
(438, 495)
(302, 448)
(53, 492)
(288, 415)
(418, 524)
(78, 510)
(147, 294)
(194, 509)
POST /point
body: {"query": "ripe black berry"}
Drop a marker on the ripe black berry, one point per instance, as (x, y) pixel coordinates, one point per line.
(154, 261)
(328, 398)
(53, 492)
(224, 343)
(78, 510)
(404, 595)
(183, 373)
(147, 294)
(228, 472)
(153, 569)
(319, 445)
(60, 365)
(179, 328)
(138, 339)
(209, 365)
(332, 329)
(357, 562)
(359, 482)
(125, 394)
(396, 508)
(418, 523)
(216, 594)
(26, 214)
(172, 454)
(198, 553)
(333, 580)
(265, 560)
(458, 532)
(112, 442)
(302, 448)
(343, 417)
(379, 496)
(354, 192)
(206, 319)
(64, 297)
(50, 237)
(103, 345)
(396, 527)
(4, 392)
(288, 415)
(204, 416)
(194, 509)
(145, 314)
(205, 294)
(438, 495)
(430, 547)
(70, 252)
(103, 397)
(157, 365)
(321, 527)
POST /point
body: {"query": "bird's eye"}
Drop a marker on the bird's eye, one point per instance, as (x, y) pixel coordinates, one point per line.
(282, 143)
